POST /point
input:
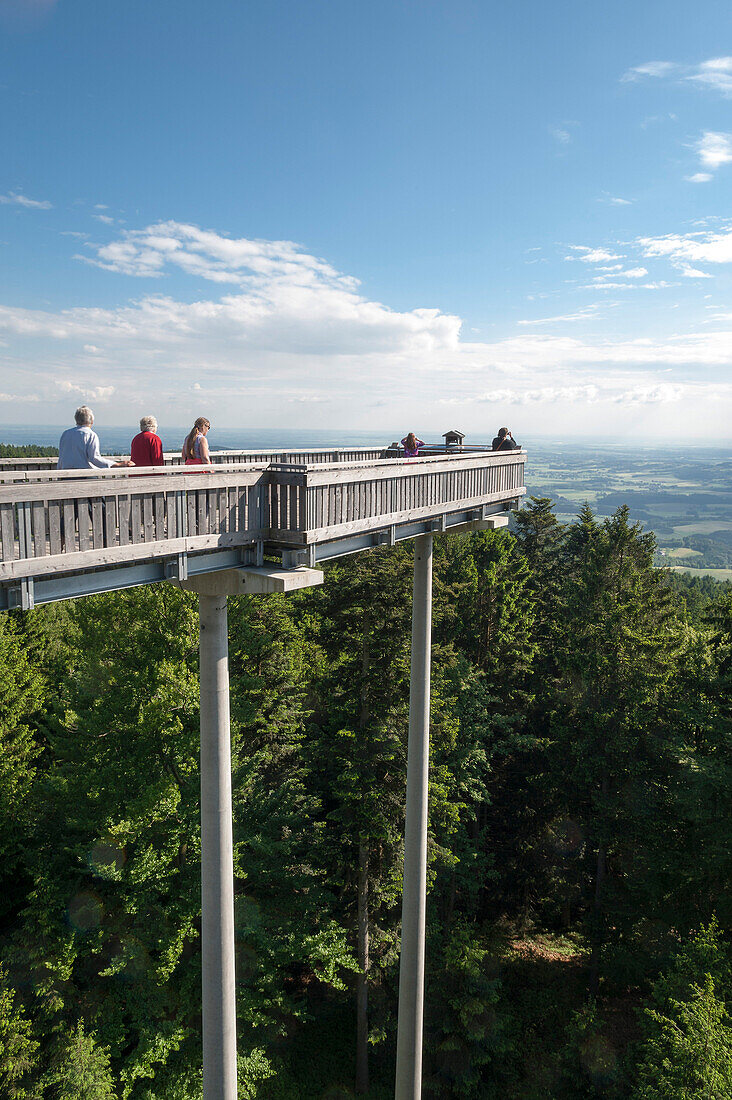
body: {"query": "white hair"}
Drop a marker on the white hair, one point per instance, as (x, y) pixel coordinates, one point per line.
(148, 424)
(84, 417)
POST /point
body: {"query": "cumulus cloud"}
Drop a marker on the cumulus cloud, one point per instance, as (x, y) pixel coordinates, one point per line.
(699, 177)
(272, 325)
(16, 199)
(714, 149)
(89, 393)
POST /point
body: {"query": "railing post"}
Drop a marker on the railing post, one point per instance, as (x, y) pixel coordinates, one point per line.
(217, 858)
(414, 899)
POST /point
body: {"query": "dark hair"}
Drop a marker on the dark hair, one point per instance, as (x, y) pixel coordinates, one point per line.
(502, 433)
(411, 441)
(201, 422)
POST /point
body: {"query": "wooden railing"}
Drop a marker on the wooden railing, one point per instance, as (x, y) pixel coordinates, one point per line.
(227, 457)
(60, 521)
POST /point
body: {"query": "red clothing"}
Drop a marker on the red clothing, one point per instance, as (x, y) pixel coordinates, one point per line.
(146, 449)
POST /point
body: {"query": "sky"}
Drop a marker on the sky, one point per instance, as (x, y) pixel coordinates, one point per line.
(337, 213)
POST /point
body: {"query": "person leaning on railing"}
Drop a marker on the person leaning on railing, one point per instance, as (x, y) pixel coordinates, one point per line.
(195, 449)
(411, 445)
(146, 449)
(504, 441)
(78, 448)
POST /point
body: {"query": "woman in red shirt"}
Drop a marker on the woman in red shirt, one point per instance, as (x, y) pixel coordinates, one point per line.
(146, 448)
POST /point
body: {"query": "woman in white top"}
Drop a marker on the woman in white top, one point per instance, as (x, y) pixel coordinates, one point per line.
(195, 449)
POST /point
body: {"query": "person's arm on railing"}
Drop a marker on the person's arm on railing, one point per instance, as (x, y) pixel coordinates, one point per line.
(95, 457)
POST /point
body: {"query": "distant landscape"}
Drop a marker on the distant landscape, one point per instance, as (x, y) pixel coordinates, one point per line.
(684, 497)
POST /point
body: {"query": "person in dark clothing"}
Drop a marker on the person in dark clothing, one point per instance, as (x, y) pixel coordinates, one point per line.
(504, 441)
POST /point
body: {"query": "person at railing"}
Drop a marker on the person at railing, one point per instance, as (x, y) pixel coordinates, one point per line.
(504, 441)
(195, 449)
(411, 445)
(78, 448)
(146, 449)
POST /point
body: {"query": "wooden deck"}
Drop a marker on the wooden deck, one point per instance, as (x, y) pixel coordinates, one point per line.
(60, 530)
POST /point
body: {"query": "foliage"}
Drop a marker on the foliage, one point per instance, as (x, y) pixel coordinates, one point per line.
(580, 808)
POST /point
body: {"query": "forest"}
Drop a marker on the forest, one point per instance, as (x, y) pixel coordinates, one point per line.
(580, 855)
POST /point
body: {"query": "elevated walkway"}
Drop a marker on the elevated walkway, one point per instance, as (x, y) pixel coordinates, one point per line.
(73, 533)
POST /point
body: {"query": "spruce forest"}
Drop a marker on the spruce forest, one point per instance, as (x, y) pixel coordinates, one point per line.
(580, 855)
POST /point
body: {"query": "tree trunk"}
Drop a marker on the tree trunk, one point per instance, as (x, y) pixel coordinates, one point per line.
(597, 930)
(362, 984)
(362, 987)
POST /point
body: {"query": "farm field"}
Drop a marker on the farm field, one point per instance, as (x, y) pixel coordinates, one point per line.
(684, 498)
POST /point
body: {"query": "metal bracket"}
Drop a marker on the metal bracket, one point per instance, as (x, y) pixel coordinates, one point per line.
(439, 525)
(295, 559)
(259, 553)
(387, 537)
(21, 595)
(177, 570)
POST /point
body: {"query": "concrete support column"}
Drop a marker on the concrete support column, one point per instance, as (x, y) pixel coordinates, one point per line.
(414, 900)
(217, 856)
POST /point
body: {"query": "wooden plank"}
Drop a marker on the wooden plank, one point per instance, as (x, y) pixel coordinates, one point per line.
(136, 519)
(83, 518)
(78, 486)
(114, 555)
(123, 509)
(191, 508)
(7, 527)
(171, 516)
(202, 512)
(110, 521)
(341, 530)
(55, 546)
(97, 523)
(159, 509)
(39, 530)
(69, 526)
(222, 509)
(148, 526)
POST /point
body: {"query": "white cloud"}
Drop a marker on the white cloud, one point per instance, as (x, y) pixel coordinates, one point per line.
(699, 177)
(13, 197)
(89, 393)
(581, 315)
(661, 393)
(714, 149)
(692, 272)
(716, 74)
(587, 394)
(615, 201)
(593, 255)
(705, 247)
(105, 218)
(561, 135)
(290, 331)
(651, 69)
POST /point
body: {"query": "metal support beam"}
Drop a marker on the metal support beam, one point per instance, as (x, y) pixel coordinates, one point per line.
(414, 900)
(217, 856)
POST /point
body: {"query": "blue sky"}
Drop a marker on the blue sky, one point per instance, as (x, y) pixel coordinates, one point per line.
(322, 213)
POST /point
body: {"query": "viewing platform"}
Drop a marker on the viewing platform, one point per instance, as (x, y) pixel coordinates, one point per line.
(77, 532)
